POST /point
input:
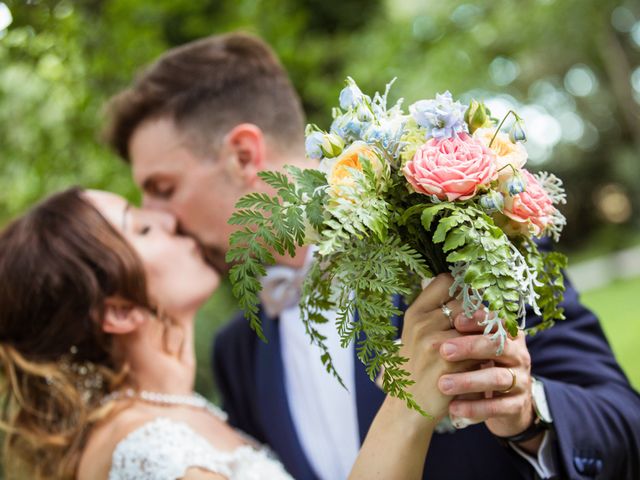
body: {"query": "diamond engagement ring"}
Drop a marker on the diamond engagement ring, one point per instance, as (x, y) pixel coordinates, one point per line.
(447, 313)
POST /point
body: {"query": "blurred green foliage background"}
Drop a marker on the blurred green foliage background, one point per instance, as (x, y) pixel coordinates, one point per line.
(570, 67)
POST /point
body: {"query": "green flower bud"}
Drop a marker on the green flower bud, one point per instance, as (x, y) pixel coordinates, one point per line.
(332, 145)
(319, 144)
(476, 116)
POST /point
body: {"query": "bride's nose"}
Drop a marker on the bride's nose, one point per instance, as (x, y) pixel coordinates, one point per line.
(167, 221)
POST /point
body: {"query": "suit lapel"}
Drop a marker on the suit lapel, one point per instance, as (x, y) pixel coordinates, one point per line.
(273, 405)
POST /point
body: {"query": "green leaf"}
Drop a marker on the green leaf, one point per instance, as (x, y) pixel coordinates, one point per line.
(246, 217)
(483, 281)
(308, 180)
(315, 212)
(510, 295)
(258, 200)
(468, 253)
(512, 327)
(507, 283)
(410, 212)
(455, 239)
(277, 180)
(429, 213)
(474, 271)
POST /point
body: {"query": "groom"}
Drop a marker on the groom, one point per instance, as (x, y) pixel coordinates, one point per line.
(196, 128)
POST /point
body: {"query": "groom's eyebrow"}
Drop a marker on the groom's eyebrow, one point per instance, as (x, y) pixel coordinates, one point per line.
(124, 216)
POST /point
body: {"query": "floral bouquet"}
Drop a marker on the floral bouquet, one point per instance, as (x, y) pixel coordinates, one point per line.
(398, 198)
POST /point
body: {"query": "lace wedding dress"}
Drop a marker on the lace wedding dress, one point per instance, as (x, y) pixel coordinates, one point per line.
(164, 449)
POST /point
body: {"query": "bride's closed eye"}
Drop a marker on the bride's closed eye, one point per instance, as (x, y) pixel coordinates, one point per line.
(138, 227)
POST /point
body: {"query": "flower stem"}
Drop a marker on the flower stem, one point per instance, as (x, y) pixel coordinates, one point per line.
(510, 112)
(508, 165)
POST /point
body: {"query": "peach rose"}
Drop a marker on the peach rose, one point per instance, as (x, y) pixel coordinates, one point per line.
(529, 211)
(338, 170)
(507, 152)
(451, 168)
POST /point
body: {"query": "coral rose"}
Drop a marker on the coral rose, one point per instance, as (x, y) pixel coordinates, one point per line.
(451, 168)
(529, 211)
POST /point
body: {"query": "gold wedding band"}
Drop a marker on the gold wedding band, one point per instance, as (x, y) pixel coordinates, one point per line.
(513, 382)
(447, 313)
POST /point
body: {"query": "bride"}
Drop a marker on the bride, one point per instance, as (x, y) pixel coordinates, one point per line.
(97, 307)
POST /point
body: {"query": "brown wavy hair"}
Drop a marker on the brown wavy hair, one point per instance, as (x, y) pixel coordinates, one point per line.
(58, 265)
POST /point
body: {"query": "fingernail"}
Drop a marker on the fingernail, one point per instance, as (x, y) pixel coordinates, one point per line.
(461, 422)
(446, 384)
(449, 349)
(463, 320)
(424, 283)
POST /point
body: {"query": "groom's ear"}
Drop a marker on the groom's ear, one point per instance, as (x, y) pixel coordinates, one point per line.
(244, 152)
(121, 317)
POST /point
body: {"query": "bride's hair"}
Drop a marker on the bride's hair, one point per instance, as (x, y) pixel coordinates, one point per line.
(58, 265)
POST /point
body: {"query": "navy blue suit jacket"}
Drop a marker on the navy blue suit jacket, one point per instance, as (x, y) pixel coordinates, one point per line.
(596, 412)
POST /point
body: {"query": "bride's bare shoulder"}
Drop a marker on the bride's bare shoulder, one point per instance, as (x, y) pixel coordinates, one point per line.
(103, 438)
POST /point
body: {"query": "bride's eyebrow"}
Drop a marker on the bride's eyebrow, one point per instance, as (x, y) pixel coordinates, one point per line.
(124, 216)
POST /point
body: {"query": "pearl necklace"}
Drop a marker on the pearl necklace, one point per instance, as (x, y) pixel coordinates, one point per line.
(195, 400)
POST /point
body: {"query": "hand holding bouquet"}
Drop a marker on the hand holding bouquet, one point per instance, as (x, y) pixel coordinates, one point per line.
(398, 198)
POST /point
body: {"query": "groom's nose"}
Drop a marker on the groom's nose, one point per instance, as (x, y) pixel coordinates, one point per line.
(153, 203)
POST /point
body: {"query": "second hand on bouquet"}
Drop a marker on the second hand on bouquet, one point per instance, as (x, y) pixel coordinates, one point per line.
(499, 392)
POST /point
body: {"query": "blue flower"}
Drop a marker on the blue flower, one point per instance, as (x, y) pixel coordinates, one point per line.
(375, 134)
(350, 96)
(313, 145)
(354, 128)
(347, 126)
(516, 185)
(387, 132)
(516, 134)
(492, 202)
(364, 113)
(441, 117)
(337, 127)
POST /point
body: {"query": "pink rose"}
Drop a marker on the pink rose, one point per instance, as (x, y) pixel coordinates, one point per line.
(451, 168)
(531, 210)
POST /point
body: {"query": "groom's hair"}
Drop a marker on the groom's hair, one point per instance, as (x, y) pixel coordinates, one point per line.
(207, 87)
